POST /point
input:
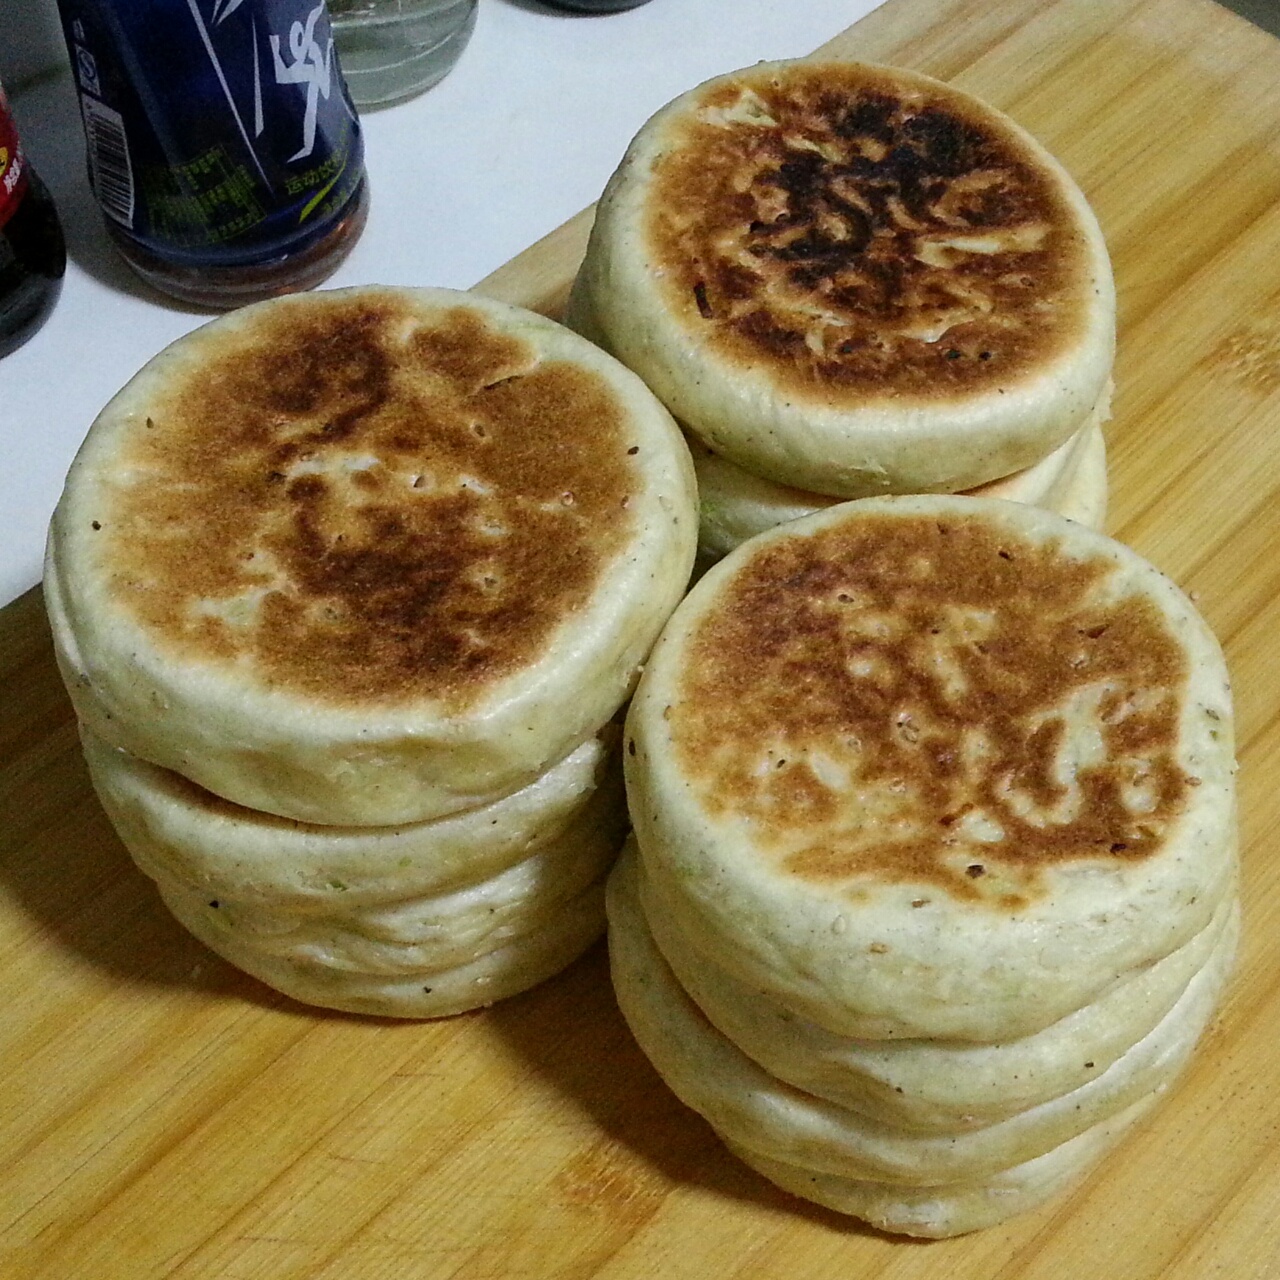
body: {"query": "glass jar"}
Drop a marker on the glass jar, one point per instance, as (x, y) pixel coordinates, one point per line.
(393, 49)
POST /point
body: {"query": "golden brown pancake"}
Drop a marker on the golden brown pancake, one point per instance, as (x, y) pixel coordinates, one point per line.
(750, 1107)
(852, 279)
(954, 1208)
(368, 556)
(179, 832)
(417, 934)
(735, 505)
(866, 198)
(939, 1086)
(934, 766)
(401, 516)
(515, 966)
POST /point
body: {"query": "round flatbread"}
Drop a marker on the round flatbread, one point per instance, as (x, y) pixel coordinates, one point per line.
(935, 767)
(1084, 499)
(746, 1104)
(852, 279)
(952, 1209)
(937, 1086)
(368, 556)
(177, 831)
(735, 505)
(428, 933)
(516, 966)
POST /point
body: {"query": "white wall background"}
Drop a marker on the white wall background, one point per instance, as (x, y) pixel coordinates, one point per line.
(518, 137)
(30, 41)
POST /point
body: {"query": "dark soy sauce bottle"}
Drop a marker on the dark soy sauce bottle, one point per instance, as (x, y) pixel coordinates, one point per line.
(33, 256)
(595, 6)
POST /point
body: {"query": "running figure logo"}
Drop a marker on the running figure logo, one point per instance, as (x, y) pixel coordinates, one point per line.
(311, 66)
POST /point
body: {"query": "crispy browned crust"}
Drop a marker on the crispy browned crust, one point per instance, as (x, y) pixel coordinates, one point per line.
(861, 693)
(865, 232)
(368, 504)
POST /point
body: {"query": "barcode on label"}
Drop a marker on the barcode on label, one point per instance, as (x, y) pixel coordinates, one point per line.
(109, 165)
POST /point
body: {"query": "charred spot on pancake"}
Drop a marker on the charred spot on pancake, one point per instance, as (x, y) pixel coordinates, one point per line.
(364, 503)
(863, 235)
(1043, 709)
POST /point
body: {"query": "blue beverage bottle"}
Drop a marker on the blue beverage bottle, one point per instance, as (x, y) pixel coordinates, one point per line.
(223, 147)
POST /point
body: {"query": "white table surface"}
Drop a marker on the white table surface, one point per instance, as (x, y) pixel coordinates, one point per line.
(520, 136)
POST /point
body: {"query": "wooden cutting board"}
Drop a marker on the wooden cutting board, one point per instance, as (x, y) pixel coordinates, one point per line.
(163, 1115)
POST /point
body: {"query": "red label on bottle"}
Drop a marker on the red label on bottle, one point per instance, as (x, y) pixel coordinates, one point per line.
(13, 164)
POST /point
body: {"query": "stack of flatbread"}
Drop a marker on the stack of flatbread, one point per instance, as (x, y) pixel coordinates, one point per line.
(934, 883)
(347, 589)
(849, 280)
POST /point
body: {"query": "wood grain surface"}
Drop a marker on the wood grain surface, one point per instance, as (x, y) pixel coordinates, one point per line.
(164, 1115)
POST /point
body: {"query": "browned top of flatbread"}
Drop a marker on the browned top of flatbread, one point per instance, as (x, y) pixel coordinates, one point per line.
(859, 231)
(882, 697)
(364, 502)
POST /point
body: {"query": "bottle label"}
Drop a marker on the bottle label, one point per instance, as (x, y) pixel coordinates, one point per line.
(13, 164)
(218, 131)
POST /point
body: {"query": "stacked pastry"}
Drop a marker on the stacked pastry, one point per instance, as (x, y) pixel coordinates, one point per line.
(347, 589)
(934, 887)
(847, 280)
